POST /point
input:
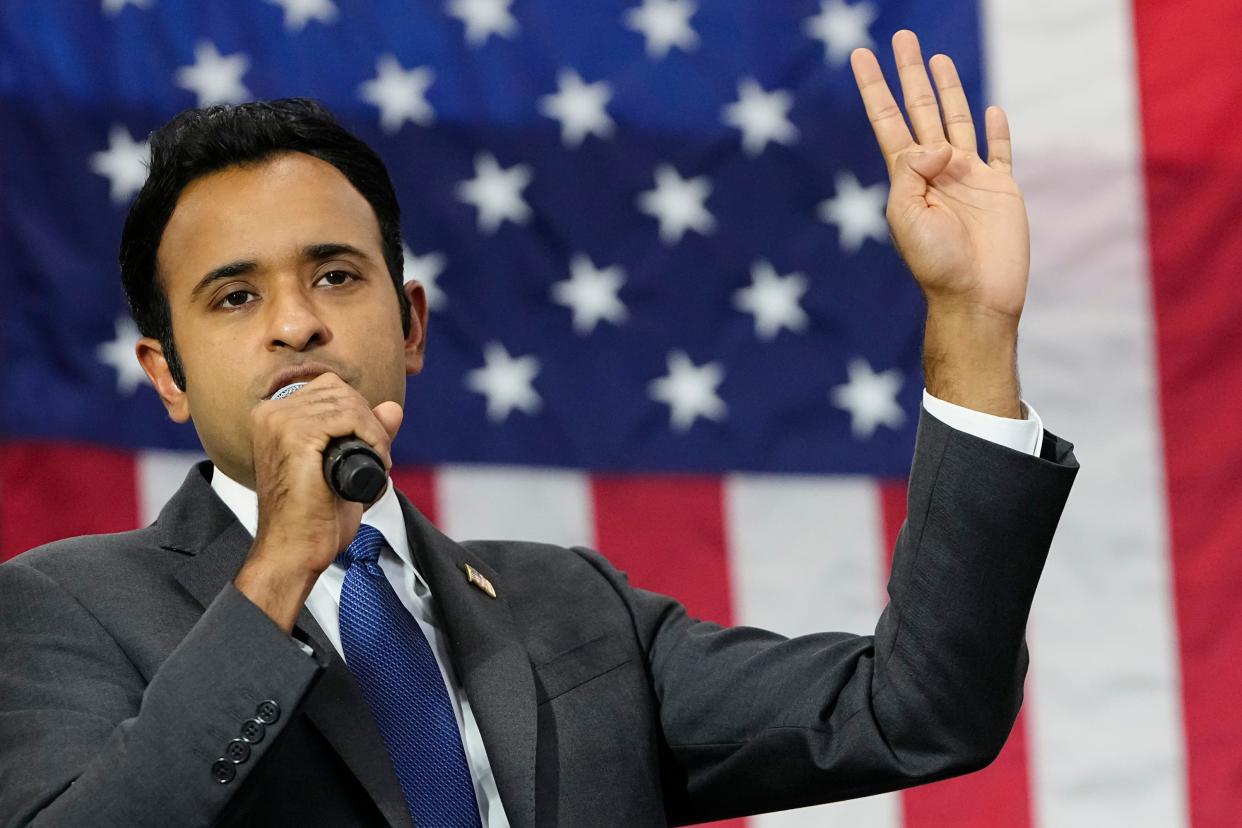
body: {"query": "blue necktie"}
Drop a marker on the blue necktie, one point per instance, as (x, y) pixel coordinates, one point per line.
(393, 662)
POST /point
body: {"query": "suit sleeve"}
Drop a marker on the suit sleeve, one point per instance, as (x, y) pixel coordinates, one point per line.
(88, 741)
(754, 722)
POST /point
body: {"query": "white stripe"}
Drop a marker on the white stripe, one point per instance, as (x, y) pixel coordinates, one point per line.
(160, 474)
(504, 502)
(784, 584)
(1104, 710)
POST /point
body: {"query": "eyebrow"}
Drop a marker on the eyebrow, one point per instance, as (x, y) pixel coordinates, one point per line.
(312, 252)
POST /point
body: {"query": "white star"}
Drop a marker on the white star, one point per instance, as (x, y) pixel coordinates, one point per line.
(761, 116)
(425, 270)
(858, 211)
(299, 12)
(678, 204)
(496, 192)
(125, 163)
(114, 7)
(119, 353)
(484, 18)
(579, 107)
(870, 398)
(400, 94)
(842, 28)
(506, 382)
(665, 24)
(216, 79)
(773, 299)
(689, 391)
(591, 293)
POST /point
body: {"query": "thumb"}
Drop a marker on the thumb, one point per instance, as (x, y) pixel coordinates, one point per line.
(390, 415)
(918, 165)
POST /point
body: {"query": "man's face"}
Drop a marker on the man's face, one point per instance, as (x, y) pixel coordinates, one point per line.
(275, 273)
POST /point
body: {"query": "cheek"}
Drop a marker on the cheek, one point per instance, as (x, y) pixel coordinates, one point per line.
(203, 369)
(218, 374)
(384, 358)
(214, 349)
(216, 397)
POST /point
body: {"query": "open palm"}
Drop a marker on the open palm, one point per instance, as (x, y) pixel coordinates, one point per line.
(958, 221)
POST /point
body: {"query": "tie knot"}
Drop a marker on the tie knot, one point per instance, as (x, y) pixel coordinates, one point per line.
(364, 548)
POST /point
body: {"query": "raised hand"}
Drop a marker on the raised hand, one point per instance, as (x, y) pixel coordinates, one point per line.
(958, 221)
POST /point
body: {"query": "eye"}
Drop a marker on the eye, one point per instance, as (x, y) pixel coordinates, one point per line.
(236, 298)
(336, 278)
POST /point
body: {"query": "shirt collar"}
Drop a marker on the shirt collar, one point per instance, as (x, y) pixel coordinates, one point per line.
(385, 515)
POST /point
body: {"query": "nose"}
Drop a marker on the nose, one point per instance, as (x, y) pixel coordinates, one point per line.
(294, 321)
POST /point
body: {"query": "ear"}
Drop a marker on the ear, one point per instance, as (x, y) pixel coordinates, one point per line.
(151, 356)
(416, 341)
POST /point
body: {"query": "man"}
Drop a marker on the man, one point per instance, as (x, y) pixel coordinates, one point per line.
(256, 656)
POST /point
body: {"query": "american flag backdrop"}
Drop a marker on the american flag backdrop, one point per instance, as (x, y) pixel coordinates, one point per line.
(667, 321)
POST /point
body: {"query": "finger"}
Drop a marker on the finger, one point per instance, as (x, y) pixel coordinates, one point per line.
(369, 430)
(362, 422)
(957, 120)
(1000, 148)
(916, 90)
(390, 415)
(340, 410)
(928, 163)
(334, 415)
(891, 132)
(910, 174)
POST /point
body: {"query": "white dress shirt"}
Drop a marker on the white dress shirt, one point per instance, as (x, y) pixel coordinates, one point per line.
(1026, 435)
(324, 601)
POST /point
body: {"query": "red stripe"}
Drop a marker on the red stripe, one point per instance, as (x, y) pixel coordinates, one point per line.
(419, 485)
(668, 535)
(1191, 92)
(50, 491)
(999, 794)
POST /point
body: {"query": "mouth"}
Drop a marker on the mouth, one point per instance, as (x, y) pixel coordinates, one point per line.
(295, 373)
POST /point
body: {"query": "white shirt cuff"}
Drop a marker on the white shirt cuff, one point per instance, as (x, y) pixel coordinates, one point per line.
(1026, 436)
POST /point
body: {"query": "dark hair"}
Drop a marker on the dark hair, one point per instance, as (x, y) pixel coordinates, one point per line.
(201, 141)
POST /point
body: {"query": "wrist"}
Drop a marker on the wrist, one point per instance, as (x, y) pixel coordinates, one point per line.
(970, 358)
(277, 587)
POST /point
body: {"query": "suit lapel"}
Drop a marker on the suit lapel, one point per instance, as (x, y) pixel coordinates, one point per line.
(490, 660)
(196, 522)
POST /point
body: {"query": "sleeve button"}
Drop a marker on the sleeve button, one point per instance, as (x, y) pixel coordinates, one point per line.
(253, 730)
(237, 751)
(223, 771)
(267, 712)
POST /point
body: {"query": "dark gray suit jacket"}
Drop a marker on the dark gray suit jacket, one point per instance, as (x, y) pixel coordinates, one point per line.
(129, 661)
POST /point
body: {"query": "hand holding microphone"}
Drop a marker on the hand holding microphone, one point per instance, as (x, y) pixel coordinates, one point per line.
(320, 452)
(351, 468)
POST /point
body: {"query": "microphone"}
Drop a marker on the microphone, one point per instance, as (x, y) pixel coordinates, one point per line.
(352, 468)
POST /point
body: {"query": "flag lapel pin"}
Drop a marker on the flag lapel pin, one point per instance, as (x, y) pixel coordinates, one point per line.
(475, 577)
